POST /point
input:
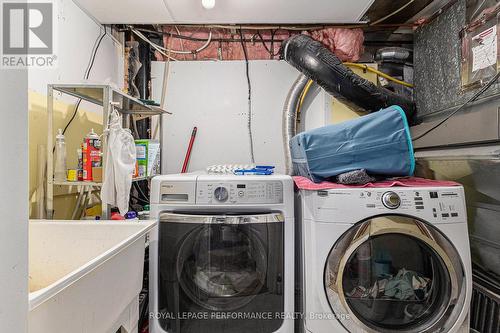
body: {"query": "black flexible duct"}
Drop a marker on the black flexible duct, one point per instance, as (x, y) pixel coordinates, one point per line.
(323, 67)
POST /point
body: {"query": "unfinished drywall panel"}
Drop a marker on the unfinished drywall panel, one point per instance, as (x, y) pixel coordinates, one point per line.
(214, 97)
(437, 51)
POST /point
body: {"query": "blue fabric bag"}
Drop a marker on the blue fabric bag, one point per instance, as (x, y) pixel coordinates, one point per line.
(379, 142)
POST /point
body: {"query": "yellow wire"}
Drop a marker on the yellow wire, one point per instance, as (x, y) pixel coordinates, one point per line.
(304, 93)
(382, 74)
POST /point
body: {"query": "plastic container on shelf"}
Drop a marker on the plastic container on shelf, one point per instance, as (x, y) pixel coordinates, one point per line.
(60, 159)
(91, 154)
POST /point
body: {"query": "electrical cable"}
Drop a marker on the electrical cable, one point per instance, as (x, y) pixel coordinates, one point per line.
(158, 47)
(181, 40)
(139, 199)
(139, 191)
(91, 63)
(155, 46)
(196, 39)
(166, 74)
(263, 42)
(86, 75)
(273, 32)
(472, 99)
(249, 121)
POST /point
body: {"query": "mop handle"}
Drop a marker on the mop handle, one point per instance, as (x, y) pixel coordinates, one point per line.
(190, 148)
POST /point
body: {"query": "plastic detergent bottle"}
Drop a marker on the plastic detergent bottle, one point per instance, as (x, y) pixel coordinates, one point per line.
(91, 154)
(60, 158)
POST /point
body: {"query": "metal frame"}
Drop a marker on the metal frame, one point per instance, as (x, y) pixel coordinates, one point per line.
(102, 95)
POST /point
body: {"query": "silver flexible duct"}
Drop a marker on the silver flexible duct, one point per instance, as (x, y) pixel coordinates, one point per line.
(289, 119)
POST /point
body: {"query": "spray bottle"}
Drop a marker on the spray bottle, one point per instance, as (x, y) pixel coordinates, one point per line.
(91, 154)
(60, 159)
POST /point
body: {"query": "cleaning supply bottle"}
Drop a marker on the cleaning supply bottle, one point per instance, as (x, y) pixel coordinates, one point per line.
(91, 154)
(60, 158)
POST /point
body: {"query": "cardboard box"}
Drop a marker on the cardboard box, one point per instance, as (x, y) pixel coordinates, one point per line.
(97, 174)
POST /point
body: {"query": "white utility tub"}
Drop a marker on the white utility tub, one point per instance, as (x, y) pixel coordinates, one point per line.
(85, 276)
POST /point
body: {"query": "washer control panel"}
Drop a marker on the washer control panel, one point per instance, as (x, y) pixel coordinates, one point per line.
(239, 192)
(439, 204)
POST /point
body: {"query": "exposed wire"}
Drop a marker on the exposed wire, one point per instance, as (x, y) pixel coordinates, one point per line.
(155, 46)
(166, 74)
(273, 32)
(379, 73)
(86, 75)
(139, 199)
(139, 191)
(181, 40)
(271, 53)
(461, 107)
(260, 27)
(393, 13)
(249, 121)
(158, 47)
(92, 59)
(196, 39)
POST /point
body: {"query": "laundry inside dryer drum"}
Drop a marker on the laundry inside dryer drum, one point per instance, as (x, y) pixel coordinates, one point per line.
(393, 274)
(395, 281)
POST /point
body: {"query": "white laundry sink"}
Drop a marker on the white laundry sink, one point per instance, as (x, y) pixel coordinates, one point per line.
(85, 276)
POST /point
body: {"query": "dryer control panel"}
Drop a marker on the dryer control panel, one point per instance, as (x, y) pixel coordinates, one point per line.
(239, 192)
(437, 205)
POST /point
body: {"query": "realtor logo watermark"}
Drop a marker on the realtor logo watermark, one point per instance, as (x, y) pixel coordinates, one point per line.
(28, 34)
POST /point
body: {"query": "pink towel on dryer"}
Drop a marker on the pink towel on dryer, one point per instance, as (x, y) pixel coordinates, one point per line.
(304, 183)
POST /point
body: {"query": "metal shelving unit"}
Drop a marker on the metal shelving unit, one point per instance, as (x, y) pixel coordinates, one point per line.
(107, 97)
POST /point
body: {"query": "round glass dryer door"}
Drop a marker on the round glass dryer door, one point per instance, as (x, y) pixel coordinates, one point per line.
(222, 266)
(395, 274)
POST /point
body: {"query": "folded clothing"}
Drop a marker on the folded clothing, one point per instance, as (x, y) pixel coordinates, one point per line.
(379, 142)
(356, 177)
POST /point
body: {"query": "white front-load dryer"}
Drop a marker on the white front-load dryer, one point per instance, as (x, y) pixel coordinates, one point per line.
(222, 255)
(384, 260)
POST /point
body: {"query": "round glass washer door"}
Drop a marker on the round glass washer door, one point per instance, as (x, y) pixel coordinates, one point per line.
(395, 274)
(221, 267)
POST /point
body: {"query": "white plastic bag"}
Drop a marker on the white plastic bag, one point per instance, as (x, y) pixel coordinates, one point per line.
(120, 165)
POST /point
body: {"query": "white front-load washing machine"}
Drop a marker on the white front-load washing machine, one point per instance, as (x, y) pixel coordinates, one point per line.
(222, 256)
(384, 260)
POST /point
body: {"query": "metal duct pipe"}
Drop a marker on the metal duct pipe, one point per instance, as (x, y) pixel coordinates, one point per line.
(394, 54)
(289, 120)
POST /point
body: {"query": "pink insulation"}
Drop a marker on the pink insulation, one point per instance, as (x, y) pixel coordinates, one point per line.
(347, 44)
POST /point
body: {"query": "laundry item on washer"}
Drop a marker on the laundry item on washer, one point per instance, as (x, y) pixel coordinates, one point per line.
(240, 169)
(379, 143)
(356, 177)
